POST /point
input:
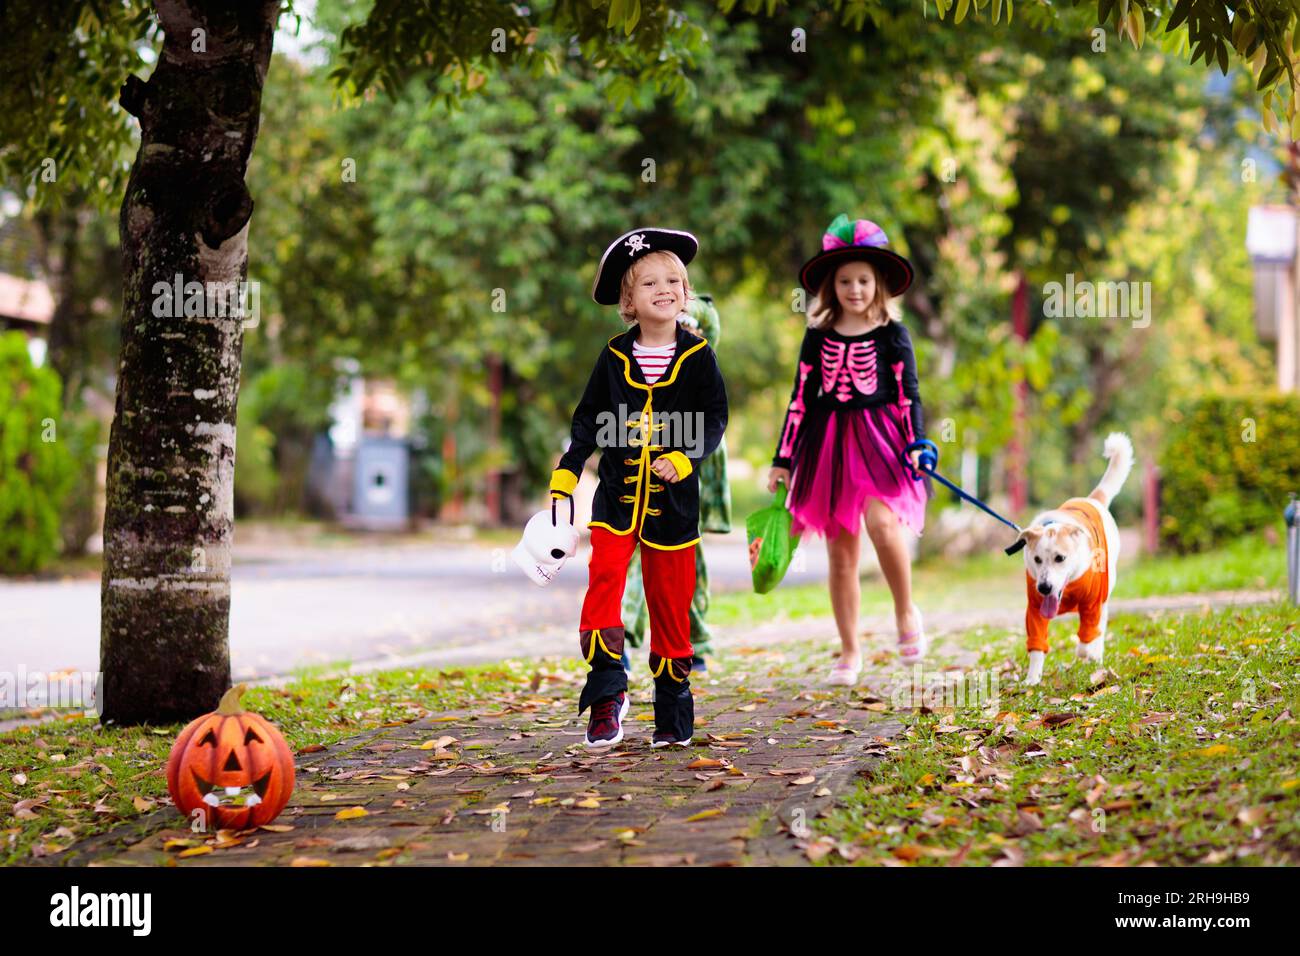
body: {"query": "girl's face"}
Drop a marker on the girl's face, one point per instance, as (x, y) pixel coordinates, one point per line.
(855, 287)
(657, 292)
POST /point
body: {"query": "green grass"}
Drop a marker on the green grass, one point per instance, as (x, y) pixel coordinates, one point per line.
(90, 778)
(997, 581)
(1184, 749)
(1249, 563)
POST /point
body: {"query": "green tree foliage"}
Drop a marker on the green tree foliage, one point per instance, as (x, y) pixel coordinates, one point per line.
(61, 65)
(955, 141)
(1230, 467)
(35, 465)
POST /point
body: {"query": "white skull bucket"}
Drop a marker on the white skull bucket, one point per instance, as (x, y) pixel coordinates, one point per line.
(549, 540)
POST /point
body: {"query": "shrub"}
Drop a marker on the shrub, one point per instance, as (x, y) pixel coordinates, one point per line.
(36, 467)
(1229, 468)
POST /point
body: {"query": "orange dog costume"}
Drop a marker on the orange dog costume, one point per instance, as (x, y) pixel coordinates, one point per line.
(1086, 595)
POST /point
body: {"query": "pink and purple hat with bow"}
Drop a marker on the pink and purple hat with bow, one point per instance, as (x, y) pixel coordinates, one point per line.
(846, 240)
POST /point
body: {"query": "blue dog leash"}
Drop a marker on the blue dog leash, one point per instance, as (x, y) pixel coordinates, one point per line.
(928, 460)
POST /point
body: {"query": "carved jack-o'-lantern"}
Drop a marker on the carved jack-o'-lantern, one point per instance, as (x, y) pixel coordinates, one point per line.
(231, 765)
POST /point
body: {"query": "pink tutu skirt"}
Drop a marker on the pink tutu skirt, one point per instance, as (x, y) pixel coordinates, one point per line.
(844, 457)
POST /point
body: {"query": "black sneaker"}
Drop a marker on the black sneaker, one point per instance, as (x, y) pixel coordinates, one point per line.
(605, 726)
(674, 715)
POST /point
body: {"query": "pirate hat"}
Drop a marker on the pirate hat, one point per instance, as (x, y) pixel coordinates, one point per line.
(630, 247)
(847, 240)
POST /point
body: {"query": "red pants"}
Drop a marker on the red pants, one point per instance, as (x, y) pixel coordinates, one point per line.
(669, 578)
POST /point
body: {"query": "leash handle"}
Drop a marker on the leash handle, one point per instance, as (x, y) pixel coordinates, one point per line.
(928, 460)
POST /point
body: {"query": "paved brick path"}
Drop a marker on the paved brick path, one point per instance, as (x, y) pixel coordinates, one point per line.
(772, 749)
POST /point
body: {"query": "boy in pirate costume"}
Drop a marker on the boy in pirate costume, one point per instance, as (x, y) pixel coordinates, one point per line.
(715, 516)
(657, 407)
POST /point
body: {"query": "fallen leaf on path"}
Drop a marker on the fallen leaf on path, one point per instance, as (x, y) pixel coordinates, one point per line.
(815, 851)
(706, 814)
(352, 813)
(1012, 855)
(195, 851)
(309, 861)
(705, 763)
(1026, 823)
(23, 808)
(1056, 720)
(1253, 816)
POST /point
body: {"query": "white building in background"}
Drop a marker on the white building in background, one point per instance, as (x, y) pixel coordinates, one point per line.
(1271, 242)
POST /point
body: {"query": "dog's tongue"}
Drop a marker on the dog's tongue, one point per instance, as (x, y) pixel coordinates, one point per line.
(1051, 604)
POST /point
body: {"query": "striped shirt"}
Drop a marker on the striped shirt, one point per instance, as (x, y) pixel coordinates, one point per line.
(653, 361)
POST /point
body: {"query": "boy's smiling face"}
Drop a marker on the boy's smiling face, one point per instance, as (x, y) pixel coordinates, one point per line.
(658, 293)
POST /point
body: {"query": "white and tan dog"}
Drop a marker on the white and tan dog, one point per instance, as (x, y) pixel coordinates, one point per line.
(1071, 555)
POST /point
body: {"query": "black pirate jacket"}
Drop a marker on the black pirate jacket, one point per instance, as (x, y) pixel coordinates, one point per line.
(681, 417)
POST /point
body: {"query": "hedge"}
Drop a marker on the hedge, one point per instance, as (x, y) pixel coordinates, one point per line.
(1229, 467)
(35, 466)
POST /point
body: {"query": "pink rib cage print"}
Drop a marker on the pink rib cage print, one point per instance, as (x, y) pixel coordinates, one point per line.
(847, 366)
(796, 413)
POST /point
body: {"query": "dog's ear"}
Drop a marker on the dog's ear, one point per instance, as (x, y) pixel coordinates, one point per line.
(1031, 534)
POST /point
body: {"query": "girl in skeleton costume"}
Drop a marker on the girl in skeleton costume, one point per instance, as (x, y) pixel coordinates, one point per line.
(855, 407)
(660, 385)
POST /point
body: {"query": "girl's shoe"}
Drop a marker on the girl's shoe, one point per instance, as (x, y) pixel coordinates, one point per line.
(843, 675)
(912, 645)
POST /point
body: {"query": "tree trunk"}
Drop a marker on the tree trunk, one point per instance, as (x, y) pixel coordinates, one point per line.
(169, 518)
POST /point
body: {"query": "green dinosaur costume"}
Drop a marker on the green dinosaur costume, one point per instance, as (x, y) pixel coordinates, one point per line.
(715, 515)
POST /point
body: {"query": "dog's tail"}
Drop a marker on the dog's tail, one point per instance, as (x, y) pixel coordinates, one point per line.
(1119, 452)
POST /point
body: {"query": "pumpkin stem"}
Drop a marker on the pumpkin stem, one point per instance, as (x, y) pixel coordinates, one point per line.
(230, 705)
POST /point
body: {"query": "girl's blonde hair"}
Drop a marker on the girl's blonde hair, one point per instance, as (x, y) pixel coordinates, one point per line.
(629, 280)
(826, 309)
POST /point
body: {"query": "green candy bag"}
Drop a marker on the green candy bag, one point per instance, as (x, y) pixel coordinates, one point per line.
(771, 527)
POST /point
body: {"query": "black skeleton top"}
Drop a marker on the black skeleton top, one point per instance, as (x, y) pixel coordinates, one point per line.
(852, 371)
